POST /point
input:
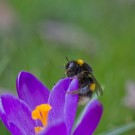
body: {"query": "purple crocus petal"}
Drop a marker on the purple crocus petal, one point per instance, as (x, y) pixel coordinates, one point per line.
(90, 119)
(16, 116)
(71, 102)
(57, 100)
(31, 90)
(15, 130)
(57, 129)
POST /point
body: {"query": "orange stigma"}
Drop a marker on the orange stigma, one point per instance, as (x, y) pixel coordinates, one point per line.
(41, 113)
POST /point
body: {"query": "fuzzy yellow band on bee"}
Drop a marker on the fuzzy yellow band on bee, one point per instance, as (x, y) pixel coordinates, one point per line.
(92, 87)
(80, 62)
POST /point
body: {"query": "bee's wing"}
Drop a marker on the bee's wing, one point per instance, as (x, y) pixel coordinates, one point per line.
(98, 88)
(88, 67)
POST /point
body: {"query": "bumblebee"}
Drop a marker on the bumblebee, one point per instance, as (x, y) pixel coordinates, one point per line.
(87, 82)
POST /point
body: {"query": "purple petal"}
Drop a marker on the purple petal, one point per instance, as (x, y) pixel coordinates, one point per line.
(71, 102)
(57, 129)
(31, 90)
(16, 116)
(57, 100)
(90, 119)
(15, 130)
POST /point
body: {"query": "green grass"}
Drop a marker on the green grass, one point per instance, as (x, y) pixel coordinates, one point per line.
(110, 23)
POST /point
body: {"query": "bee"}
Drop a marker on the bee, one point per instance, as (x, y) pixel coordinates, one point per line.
(87, 82)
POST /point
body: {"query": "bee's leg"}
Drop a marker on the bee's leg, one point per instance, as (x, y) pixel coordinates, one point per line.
(79, 76)
(84, 90)
(73, 92)
(73, 77)
(81, 91)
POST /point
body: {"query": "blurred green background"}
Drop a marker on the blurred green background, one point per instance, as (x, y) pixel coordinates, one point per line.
(36, 35)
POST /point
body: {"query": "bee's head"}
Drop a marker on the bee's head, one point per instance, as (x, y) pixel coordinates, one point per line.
(71, 68)
(74, 67)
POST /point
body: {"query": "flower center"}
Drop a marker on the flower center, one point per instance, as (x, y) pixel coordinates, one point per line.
(41, 113)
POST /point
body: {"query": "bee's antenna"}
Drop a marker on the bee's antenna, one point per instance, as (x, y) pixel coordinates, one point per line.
(61, 66)
(67, 59)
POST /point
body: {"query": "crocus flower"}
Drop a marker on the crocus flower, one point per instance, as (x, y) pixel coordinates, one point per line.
(37, 110)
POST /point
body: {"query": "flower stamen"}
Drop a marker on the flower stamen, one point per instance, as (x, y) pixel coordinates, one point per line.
(41, 113)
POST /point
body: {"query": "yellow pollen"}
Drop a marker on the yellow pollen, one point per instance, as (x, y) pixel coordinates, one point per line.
(41, 113)
(80, 62)
(92, 87)
(38, 129)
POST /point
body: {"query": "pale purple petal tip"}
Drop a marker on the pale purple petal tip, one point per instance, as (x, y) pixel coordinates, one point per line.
(71, 102)
(16, 116)
(57, 100)
(90, 119)
(31, 90)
